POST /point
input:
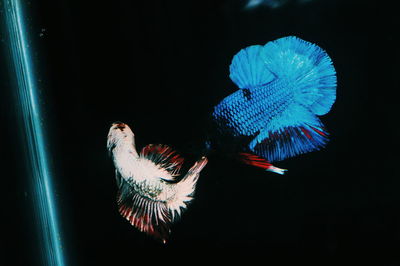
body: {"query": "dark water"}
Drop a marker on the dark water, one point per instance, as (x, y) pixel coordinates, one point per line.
(160, 66)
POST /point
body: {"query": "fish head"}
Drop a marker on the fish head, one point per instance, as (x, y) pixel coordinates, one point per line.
(119, 134)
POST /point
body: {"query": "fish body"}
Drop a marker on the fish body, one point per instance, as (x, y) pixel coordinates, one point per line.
(246, 111)
(283, 87)
(150, 195)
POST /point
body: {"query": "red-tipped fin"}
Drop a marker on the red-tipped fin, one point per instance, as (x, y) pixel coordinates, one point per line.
(164, 157)
(147, 215)
(289, 141)
(257, 161)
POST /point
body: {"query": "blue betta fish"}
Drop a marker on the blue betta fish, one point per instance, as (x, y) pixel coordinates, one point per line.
(284, 86)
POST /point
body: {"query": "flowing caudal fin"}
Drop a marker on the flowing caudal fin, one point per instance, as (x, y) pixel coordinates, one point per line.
(185, 189)
(308, 68)
(149, 216)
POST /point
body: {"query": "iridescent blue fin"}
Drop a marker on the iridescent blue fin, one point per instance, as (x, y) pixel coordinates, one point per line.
(308, 67)
(288, 142)
(288, 136)
(305, 64)
(248, 68)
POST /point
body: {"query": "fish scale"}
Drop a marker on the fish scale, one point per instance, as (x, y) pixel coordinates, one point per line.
(247, 117)
(148, 189)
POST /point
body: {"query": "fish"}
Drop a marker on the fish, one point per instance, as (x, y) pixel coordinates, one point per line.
(283, 88)
(151, 196)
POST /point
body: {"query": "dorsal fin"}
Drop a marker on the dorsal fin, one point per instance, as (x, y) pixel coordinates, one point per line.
(164, 157)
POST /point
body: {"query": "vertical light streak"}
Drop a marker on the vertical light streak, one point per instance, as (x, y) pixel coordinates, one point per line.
(27, 100)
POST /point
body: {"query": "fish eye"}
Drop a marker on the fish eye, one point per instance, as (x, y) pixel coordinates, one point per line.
(246, 94)
(119, 127)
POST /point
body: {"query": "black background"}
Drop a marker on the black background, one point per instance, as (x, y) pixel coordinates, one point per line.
(160, 66)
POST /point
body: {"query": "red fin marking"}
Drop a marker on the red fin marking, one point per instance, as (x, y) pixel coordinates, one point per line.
(163, 156)
(254, 160)
(148, 216)
(319, 131)
(306, 132)
(177, 159)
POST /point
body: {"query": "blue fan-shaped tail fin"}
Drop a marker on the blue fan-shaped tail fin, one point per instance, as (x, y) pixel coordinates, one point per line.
(309, 68)
(295, 132)
(248, 68)
(305, 65)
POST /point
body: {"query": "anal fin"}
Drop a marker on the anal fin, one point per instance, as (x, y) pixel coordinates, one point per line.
(257, 161)
(288, 141)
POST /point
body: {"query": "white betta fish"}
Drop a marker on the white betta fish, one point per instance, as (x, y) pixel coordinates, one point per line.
(150, 196)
